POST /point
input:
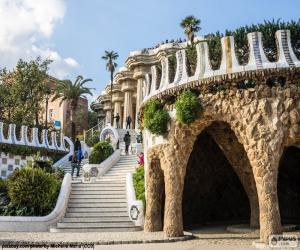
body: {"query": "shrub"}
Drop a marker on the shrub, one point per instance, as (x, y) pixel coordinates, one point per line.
(92, 140)
(188, 107)
(59, 173)
(156, 118)
(101, 151)
(3, 186)
(33, 190)
(139, 184)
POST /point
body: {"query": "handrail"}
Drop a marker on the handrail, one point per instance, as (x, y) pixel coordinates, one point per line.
(98, 127)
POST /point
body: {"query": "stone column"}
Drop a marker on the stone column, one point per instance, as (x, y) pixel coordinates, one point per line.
(264, 161)
(139, 76)
(154, 192)
(107, 117)
(118, 110)
(128, 108)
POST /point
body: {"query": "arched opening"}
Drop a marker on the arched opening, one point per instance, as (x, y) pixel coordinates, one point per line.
(213, 193)
(288, 186)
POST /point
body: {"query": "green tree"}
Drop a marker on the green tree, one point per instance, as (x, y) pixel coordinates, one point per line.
(23, 91)
(110, 57)
(72, 92)
(92, 118)
(191, 25)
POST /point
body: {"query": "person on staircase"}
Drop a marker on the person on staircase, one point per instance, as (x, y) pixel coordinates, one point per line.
(74, 164)
(117, 117)
(128, 122)
(77, 145)
(127, 142)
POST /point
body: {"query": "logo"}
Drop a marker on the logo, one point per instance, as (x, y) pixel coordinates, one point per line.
(283, 241)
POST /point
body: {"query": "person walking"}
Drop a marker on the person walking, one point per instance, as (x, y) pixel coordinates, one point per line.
(79, 156)
(74, 164)
(77, 145)
(127, 142)
(117, 117)
(128, 122)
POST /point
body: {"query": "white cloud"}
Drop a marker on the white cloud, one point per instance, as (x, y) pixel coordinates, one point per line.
(25, 32)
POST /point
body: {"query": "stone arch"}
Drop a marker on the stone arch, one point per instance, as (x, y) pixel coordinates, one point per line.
(237, 157)
(288, 187)
(213, 191)
(263, 119)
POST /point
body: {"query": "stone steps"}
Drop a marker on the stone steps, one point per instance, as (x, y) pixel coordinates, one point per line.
(100, 206)
(97, 219)
(81, 209)
(96, 214)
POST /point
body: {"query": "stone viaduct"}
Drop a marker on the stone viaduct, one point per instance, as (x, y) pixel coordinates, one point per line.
(252, 112)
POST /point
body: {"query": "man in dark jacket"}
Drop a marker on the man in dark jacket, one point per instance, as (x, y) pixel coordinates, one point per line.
(127, 142)
(128, 122)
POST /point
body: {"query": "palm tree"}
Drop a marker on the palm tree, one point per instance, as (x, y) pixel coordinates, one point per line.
(67, 91)
(110, 57)
(190, 24)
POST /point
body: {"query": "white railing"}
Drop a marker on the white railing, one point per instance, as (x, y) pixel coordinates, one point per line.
(229, 63)
(11, 138)
(98, 128)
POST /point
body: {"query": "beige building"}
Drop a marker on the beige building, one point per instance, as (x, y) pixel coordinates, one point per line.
(59, 115)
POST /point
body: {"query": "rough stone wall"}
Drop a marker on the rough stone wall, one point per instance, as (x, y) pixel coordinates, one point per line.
(264, 120)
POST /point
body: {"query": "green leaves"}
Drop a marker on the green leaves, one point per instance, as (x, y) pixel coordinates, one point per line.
(101, 151)
(139, 184)
(33, 188)
(190, 24)
(156, 118)
(188, 107)
(23, 90)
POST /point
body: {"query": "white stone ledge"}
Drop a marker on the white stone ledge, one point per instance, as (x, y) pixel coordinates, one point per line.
(134, 207)
(104, 166)
(39, 223)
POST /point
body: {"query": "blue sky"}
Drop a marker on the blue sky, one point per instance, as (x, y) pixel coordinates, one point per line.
(80, 30)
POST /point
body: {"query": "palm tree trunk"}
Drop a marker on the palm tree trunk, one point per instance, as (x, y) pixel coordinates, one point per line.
(111, 90)
(73, 128)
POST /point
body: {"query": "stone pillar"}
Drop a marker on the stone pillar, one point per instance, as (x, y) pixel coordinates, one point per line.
(154, 192)
(128, 108)
(264, 161)
(139, 98)
(118, 109)
(107, 117)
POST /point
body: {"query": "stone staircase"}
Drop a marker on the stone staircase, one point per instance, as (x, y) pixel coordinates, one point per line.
(68, 168)
(100, 206)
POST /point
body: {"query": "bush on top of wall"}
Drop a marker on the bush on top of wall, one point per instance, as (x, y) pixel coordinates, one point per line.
(156, 117)
(188, 107)
(101, 151)
(30, 151)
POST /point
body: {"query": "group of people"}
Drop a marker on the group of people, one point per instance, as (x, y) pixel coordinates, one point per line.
(76, 158)
(128, 121)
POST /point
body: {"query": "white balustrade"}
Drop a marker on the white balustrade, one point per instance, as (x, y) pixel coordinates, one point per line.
(229, 63)
(11, 138)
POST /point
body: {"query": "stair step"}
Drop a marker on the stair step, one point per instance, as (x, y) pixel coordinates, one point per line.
(101, 205)
(97, 184)
(96, 193)
(73, 230)
(96, 219)
(98, 196)
(99, 189)
(98, 201)
(96, 214)
(95, 225)
(96, 209)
